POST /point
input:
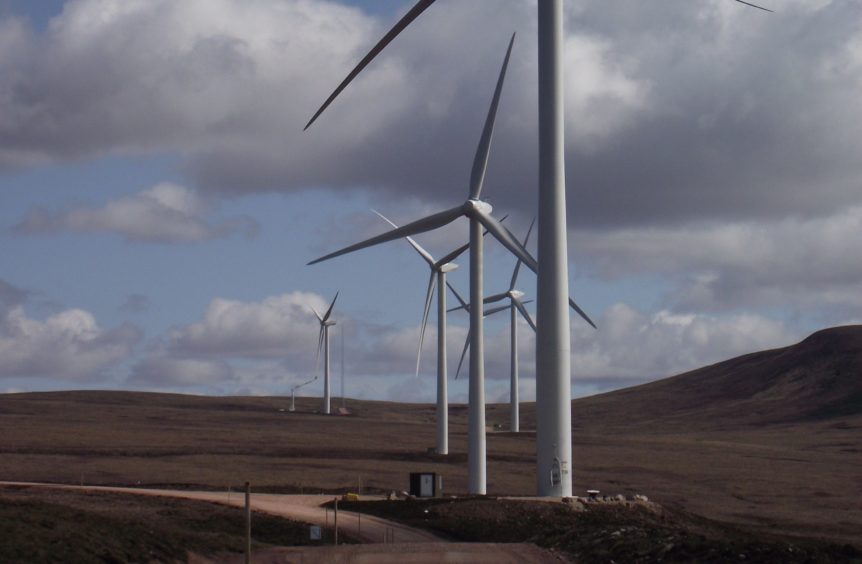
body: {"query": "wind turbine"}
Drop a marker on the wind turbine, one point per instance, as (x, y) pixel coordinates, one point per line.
(323, 342)
(553, 370)
(439, 269)
(293, 392)
(479, 214)
(515, 307)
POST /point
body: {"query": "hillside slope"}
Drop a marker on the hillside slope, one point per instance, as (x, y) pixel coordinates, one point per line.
(819, 378)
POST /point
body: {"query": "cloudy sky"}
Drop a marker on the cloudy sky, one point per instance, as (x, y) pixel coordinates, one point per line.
(160, 199)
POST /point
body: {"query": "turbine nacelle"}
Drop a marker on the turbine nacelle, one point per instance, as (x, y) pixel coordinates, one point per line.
(448, 267)
(515, 294)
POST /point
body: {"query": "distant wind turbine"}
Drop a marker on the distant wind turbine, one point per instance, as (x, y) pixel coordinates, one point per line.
(323, 342)
(293, 392)
(553, 362)
(439, 269)
(515, 307)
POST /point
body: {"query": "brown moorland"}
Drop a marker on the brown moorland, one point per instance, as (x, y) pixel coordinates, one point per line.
(770, 440)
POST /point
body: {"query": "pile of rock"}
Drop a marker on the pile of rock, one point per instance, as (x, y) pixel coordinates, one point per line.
(594, 497)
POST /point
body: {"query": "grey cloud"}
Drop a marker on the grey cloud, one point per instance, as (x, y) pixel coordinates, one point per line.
(165, 213)
(68, 345)
(705, 110)
(794, 264)
(162, 372)
(135, 303)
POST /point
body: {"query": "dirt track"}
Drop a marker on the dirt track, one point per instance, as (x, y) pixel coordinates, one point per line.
(401, 546)
(449, 553)
(305, 508)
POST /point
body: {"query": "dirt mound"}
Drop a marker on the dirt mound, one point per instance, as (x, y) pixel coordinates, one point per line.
(606, 532)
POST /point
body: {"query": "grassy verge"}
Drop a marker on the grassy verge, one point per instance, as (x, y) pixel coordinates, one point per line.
(64, 526)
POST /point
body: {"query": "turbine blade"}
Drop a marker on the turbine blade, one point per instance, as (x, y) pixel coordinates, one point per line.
(411, 15)
(586, 317)
(463, 354)
(329, 311)
(452, 256)
(754, 6)
(494, 310)
(317, 314)
(419, 226)
(495, 298)
(480, 161)
(422, 252)
(505, 237)
(524, 313)
(432, 283)
(518, 264)
(319, 347)
(464, 305)
(457, 252)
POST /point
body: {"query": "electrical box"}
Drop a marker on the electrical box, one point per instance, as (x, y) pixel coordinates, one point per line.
(423, 484)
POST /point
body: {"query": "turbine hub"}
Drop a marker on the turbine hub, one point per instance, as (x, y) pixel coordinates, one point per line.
(478, 205)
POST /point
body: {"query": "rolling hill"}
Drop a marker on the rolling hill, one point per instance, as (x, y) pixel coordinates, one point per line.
(817, 379)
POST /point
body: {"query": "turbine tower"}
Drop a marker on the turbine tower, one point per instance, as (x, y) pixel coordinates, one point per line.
(439, 269)
(515, 307)
(553, 373)
(323, 342)
(479, 214)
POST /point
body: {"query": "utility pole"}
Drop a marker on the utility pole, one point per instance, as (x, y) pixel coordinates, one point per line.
(335, 521)
(342, 365)
(247, 523)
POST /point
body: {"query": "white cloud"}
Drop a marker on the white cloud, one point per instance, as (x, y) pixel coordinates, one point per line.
(277, 327)
(600, 97)
(165, 213)
(68, 345)
(633, 346)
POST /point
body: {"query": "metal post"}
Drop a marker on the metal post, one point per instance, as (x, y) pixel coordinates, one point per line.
(442, 393)
(476, 410)
(342, 365)
(247, 523)
(326, 369)
(514, 423)
(335, 521)
(553, 389)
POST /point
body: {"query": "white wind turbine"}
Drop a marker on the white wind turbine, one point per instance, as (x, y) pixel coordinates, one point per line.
(479, 214)
(553, 370)
(514, 307)
(439, 269)
(323, 342)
